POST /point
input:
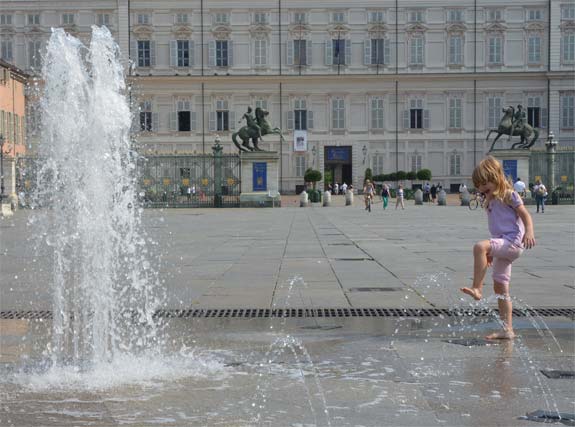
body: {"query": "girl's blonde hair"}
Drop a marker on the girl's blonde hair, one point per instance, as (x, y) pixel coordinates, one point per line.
(490, 170)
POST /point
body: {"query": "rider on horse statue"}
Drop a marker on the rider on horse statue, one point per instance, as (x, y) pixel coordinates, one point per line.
(518, 121)
(252, 123)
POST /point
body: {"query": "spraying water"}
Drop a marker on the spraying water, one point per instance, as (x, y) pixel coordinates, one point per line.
(103, 290)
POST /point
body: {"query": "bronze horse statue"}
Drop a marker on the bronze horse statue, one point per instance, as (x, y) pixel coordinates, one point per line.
(247, 133)
(527, 133)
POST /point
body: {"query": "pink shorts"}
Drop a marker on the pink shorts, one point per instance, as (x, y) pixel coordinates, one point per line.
(504, 253)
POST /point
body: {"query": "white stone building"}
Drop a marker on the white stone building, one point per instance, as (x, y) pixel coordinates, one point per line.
(396, 85)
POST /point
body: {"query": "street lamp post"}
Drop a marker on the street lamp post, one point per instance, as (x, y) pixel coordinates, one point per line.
(551, 145)
(1, 168)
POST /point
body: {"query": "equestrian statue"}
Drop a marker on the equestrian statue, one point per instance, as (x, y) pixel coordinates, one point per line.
(513, 123)
(255, 128)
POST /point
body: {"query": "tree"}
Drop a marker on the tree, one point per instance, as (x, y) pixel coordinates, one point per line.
(412, 175)
(368, 175)
(424, 175)
(401, 175)
(313, 176)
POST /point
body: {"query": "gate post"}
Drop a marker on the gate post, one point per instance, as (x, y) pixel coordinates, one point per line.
(217, 149)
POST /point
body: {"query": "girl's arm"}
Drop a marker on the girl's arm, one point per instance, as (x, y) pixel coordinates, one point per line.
(529, 238)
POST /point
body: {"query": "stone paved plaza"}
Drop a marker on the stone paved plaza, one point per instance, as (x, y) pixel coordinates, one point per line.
(289, 372)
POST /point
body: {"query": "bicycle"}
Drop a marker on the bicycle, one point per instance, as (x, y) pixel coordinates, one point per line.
(476, 200)
(368, 200)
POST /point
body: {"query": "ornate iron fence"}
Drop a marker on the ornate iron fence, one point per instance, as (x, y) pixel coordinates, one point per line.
(564, 173)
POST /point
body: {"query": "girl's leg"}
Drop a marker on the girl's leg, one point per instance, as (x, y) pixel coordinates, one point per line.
(402, 205)
(542, 204)
(505, 312)
(481, 261)
(538, 201)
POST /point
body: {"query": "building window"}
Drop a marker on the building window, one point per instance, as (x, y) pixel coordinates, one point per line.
(377, 116)
(455, 113)
(5, 19)
(416, 114)
(568, 12)
(300, 52)
(495, 53)
(34, 54)
(378, 51)
(68, 19)
(416, 160)
(300, 165)
(146, 116)
(103, 19)
(416, 15)
(494, 107)
(221, 53)
(6, 52)
(495, 15)
(377, 164)
(144, 53)
(222, 116)
(181, 18)
(184, 116)
(299, 18)
(534, 15)
(456, 50)
(568, 111)
(536, 116)
(338, 113)
(260, 52)
(455, 164)
(143, 19)
(568, 48)
(376, 17)
(34, 19)
(534, 49)
(416, 50)
(338, 17)
(300, 114)
(260, 18)
(338, 52)
(455, 15)
(183, 53)
(261, 103)
(221, 18)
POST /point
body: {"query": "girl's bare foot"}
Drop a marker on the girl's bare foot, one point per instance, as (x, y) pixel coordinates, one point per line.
(473, 292)
(501, 335)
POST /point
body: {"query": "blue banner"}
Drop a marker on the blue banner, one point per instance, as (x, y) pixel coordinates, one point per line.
(510, 169)
(341, 154)
(260, 176)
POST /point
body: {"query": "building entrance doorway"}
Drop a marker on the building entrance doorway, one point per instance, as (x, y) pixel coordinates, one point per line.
(337, 165)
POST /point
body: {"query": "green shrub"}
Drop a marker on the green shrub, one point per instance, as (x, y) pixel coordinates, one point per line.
(424, 175)
(401, 175)
(368, 175)
(313, 176)
(412, 175)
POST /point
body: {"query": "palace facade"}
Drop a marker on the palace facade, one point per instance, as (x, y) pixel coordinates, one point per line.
(390, 85)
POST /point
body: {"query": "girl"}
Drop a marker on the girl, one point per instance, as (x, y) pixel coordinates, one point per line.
(399, 197)
(385, 195)
(511, 231)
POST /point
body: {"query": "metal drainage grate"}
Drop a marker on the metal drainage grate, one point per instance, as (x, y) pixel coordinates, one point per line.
(469, 342)
(250, 313)
(375, 289)
(541, 416)
(556, 375)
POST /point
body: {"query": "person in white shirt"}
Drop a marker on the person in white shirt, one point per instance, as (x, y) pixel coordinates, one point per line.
(336, 189)
(519, 187)
(344, 188)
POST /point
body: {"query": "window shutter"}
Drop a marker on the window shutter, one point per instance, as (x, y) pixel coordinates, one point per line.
(308, 52)
(406, 124)
(230, 53)
(212, 53)
(192, 53)
(173, 121)
(232, 120)
(348, 52)
(152, 53)
(173, 53)
(328, 52)
(543, 118)
(134, 52)
(387, 52)
(309, 119)
(193, 121)
(367, 52)
(426, 119)
(155, 122)
(290, 120)
(289, 52)
(30, 53)
(212, 121)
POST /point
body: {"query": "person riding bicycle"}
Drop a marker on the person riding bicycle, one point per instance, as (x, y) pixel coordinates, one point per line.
(369, 192)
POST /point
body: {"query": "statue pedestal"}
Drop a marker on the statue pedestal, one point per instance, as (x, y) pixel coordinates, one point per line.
(260, 179)
(515, 163)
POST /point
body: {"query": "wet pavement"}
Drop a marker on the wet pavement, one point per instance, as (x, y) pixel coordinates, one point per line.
(394, 371)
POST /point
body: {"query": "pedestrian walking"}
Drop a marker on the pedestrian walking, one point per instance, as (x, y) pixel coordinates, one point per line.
(540, 192)
(399, 197)
(385, 195)
(433, 192)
